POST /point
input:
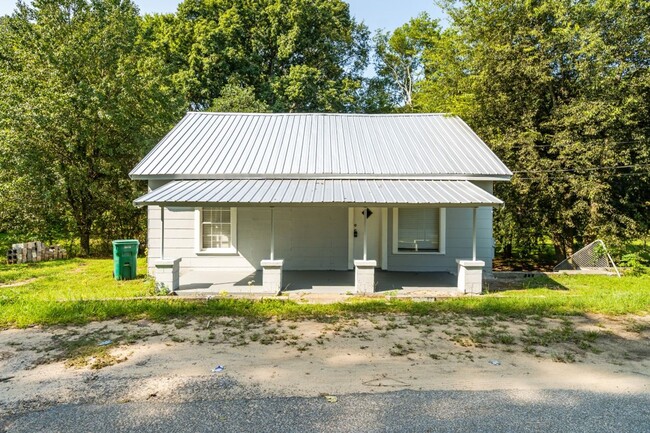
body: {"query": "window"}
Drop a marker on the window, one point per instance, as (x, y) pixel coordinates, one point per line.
(418, 230)
(217, 229)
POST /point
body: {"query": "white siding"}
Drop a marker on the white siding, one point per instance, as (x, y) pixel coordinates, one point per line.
(311, 238)
(307, 238)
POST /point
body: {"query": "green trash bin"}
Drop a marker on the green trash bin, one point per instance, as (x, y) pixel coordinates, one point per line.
(125, 256)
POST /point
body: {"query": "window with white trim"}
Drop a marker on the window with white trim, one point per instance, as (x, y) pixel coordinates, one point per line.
(418, 230)
(217, 229)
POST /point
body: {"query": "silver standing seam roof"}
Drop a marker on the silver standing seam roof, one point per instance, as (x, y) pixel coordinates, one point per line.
(318, 159)
(448, 193)
(363, 146)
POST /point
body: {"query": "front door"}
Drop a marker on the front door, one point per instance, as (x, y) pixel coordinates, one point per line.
(373, 225)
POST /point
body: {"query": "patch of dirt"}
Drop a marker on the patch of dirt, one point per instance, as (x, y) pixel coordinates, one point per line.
(18, 283)
(175, 361)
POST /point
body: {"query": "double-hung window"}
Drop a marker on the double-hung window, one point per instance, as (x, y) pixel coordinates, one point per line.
(217, 229)
(418, 230)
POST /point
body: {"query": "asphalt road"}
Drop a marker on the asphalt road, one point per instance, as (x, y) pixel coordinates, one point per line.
(403, 411)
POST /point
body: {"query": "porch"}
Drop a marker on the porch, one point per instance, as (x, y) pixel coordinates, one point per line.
(206, 283)
(411, 228)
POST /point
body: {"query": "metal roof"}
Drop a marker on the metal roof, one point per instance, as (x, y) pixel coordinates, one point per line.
(447, 193)
(249, 145)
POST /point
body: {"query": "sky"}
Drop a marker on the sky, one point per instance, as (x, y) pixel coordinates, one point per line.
(377, 14)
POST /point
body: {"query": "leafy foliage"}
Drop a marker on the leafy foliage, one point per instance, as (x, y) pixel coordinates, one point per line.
(399, 57)
(238, 99)
(561, 92)
(297, 55)
(80, 104)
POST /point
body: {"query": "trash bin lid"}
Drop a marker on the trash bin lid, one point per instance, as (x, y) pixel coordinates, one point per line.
(126, 242)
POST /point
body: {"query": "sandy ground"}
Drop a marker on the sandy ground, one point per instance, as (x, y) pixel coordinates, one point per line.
(173, 361)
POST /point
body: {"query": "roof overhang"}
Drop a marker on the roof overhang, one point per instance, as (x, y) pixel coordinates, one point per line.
(319, 192)
(248, 176)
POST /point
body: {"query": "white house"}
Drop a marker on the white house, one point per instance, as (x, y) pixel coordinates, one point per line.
(285, 192)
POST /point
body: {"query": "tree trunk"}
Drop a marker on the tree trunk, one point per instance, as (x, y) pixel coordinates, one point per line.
(84, 240)
(560, 248)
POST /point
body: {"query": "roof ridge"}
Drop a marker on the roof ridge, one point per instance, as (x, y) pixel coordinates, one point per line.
(323, 114)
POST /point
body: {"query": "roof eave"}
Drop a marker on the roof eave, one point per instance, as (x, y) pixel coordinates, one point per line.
(474, 177)
(141, 204)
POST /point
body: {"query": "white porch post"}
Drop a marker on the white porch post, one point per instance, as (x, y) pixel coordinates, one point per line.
(474, 235)
(364, 270)
(470, 272)
(272, 236)
(167, 271)
(162, 232)
(272, 269)
(365, 234)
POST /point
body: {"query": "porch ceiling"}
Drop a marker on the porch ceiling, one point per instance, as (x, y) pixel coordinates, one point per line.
(313, 192)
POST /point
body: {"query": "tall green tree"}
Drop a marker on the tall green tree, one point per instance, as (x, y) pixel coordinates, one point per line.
(297, 55)
(81, 101)
(561, 91)
(399, 57)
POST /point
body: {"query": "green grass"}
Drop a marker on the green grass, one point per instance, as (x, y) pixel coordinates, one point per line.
(81, 290)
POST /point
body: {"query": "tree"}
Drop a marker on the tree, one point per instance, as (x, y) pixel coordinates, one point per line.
(399, 57)
(296, 55)
(238, 99)
(561, 91)
(80, 104)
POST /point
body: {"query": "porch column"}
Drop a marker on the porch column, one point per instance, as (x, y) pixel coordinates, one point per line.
(272, 236)
(162, 232)
(272, 269)
(470, 272)
(167, 273)
(365, 234)
(364, 270)
(474, 234)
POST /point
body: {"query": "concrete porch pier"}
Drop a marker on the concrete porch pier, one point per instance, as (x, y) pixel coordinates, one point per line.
(470, 276)
(167, 275)
(364, 276)
(272, 276)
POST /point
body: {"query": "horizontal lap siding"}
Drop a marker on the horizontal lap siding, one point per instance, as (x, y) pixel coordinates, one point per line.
(312, 239)
(306, 238)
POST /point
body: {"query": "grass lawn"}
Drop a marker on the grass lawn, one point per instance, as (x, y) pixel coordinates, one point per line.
(81, 290)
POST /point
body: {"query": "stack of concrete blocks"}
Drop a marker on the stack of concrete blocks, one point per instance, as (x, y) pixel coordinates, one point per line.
(29, 252)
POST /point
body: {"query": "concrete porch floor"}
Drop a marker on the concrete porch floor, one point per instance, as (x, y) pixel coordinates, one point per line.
(206, 283)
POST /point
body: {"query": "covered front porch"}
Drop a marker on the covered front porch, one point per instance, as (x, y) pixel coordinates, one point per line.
(303, 235)
(207, 283)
